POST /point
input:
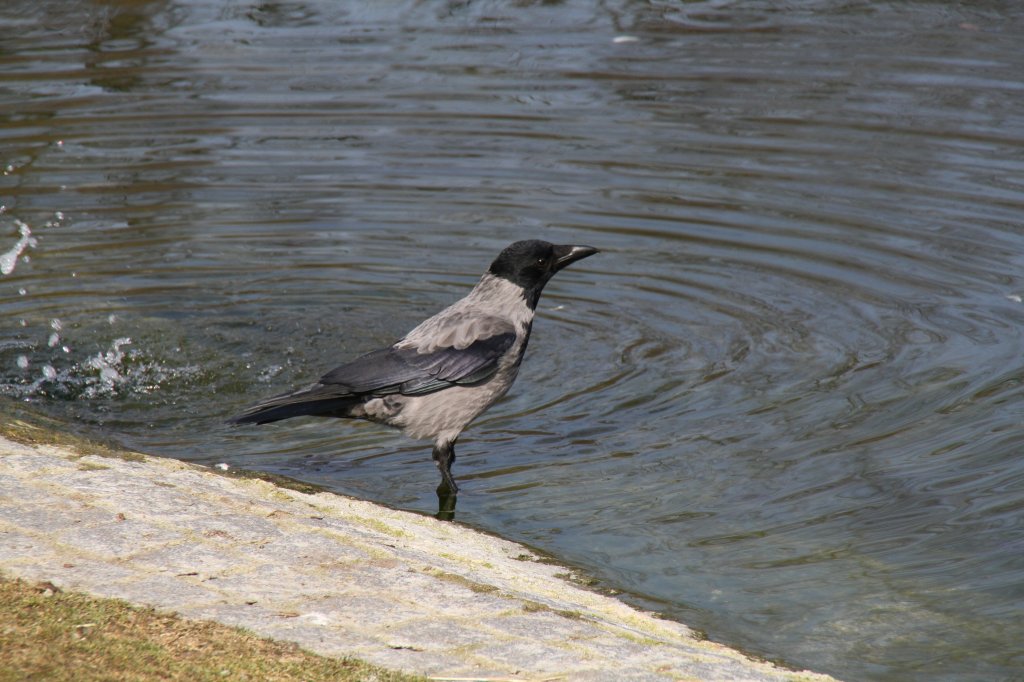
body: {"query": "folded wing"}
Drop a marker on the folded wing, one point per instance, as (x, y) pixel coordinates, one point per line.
(406, 371)
(398, 369)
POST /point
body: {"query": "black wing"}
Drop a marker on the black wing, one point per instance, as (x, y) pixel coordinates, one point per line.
(404, 370)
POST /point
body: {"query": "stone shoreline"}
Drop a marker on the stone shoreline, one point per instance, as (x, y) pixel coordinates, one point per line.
(339, 576)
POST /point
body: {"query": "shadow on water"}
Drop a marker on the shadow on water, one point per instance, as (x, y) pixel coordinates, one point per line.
(785, 404)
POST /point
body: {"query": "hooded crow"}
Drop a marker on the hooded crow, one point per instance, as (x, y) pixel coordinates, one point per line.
(444, 373)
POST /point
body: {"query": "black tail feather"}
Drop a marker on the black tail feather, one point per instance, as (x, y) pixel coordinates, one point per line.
(288, 406)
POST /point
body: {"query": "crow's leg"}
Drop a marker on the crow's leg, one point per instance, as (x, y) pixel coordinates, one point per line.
(446, 501)
(444, 455)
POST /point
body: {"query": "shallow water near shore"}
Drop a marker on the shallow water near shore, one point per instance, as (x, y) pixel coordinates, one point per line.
(783, 405)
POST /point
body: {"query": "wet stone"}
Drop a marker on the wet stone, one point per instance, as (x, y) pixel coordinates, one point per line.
(251, 616)
(528, 624)
(119, 539)
(16, 547)
(269, 584)
(313, 550)
(337, 576)
(26, 492)
(52, 517)
(189, 559)
(437, 634)
(166, 592)
(80, 572)
(232, 528)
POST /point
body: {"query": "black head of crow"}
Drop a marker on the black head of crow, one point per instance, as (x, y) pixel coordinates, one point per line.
(444, 373)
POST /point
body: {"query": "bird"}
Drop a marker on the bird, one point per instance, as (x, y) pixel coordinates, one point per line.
(434, 381)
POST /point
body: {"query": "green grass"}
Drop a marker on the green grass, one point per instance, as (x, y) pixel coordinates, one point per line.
(47, 634)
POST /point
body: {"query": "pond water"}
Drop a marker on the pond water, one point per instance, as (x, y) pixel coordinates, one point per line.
(783, 405)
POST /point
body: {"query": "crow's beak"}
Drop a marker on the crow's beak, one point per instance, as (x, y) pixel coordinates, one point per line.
(566, 255)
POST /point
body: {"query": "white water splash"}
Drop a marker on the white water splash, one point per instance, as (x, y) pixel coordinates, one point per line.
(54, 339)
(9, 259)
(108, 364)
(120, 370)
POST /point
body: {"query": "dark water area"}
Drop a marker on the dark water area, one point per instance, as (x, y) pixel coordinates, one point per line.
(783, 405)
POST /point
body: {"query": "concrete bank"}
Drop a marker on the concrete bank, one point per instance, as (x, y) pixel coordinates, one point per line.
(339, 576)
